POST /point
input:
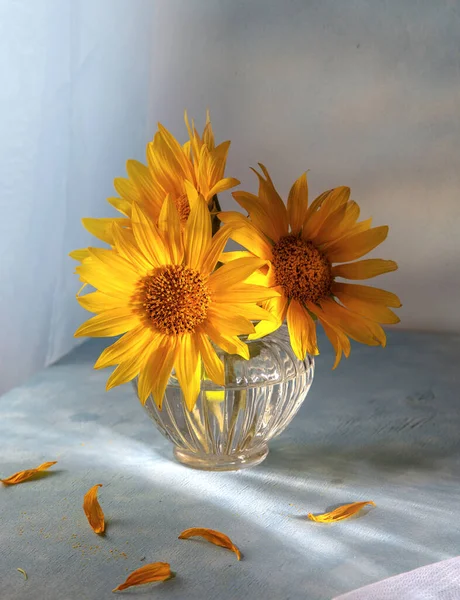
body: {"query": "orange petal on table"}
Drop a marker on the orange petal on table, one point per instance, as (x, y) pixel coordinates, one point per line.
(150, 573)
(342, 512)
(215, 537)
(24, 475)
(93, 510)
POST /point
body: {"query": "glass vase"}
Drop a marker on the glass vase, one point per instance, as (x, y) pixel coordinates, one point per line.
(230, 426)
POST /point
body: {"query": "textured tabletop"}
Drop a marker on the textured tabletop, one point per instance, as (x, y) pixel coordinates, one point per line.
(384, 427)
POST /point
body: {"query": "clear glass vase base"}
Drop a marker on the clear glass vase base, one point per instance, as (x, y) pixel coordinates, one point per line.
(222, 462)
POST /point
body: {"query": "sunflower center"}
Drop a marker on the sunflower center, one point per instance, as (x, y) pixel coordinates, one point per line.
(176, 299)
(301, 269)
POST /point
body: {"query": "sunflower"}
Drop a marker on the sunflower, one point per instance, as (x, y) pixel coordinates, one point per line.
(172, 169)
(158, 287)
(302, 245)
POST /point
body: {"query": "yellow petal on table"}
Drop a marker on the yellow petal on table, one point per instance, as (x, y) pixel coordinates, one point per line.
(215, 537)
(27, 474)
(339, 514)
(93, 510)
(150, 573)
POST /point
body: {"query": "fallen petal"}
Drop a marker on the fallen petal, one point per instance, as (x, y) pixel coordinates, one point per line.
(215, 537)
(342, 512)
(24, 475)
(93, 510)
(23, 572)
(158, 571)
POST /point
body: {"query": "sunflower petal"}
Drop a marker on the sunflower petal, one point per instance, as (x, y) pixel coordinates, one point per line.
(272, 202)
(125, 244)
(234, 272)
(215, 537)
(127, 190)
(247, 234)
(339, 514)
(80, 255)
(197, 234)
(109, 323)
(93, 510)
(213, 365)
(277, 308)
(218, 242)
(230, 344)
(354, 246)
(188, 369)
(366, 292)
(302, 330)
(150, 573)
(353, 325)
(126, 370)
(99, 277)
(244, 293)
(148, 238)
(364, 269)
(157, 371)
(221, 186)
(97, 302)
(229, 323)
(371, 310)
(27, 474)
(297, 204)
(131, 344)
(227, 257)
(121, 205)
(102, 228)
(169, 226)
(117, 266)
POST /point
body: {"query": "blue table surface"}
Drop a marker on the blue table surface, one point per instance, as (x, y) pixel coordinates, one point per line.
(384, 427)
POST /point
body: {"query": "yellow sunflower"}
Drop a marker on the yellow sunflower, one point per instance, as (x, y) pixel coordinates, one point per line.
(158, 286)
(171, 169)
(302, 245)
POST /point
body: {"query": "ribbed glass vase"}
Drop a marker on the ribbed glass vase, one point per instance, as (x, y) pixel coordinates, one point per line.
(230, 426)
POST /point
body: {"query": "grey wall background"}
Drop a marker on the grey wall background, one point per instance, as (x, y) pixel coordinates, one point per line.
(362, 93)
(75, 79)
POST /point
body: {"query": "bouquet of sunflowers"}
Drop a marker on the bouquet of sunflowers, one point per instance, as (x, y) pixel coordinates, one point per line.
(166, 285)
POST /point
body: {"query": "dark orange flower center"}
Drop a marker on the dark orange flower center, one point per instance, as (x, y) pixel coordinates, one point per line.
(301, 269)
(176, 299)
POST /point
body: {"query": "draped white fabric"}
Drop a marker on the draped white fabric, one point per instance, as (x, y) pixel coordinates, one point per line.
(74, 104)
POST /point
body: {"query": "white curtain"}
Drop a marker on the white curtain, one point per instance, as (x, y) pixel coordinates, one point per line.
(74, 98)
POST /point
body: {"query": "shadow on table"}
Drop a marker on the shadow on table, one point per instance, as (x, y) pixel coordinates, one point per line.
(337, 461)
